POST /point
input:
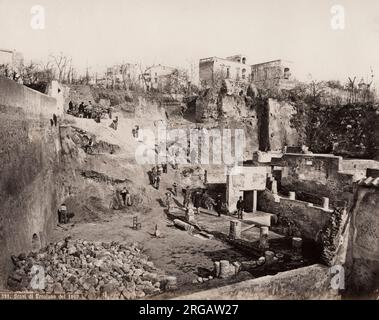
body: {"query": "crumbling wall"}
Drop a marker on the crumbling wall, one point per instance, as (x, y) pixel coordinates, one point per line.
(281, 132)
(307, 219)
(316, 175)
(29, 160)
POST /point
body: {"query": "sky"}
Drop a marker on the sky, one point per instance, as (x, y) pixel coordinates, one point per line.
(178, 32)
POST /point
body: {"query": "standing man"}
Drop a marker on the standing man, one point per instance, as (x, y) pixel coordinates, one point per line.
(218, 204)
(240, 208)
(55, 119)
(168, 201)
(186, 197)
(124, 193)
(175, 189)
(157, 180)
(62, 214)
(197, 202)
(110, 112)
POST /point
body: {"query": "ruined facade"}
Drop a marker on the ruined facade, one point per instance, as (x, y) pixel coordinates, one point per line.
(214, 69)
(277, 73)
(12, 58)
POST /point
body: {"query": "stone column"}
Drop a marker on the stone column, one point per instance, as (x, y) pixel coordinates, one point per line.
(292, 195)
(254, 201)
(274, 187)
(235, 229)
(269, 256)
(297, 244)
(325, 203)
(263, 239)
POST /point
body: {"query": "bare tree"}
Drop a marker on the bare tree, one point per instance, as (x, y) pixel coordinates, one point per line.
(62, 63)
(317, 89)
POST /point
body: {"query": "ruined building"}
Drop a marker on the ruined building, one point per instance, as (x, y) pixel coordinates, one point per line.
(235, 69)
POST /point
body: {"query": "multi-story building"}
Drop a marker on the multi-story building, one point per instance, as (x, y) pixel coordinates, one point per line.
(213, 69)
(12, 58)
(234, 68)
(126, 74)
(164, 78)
(273, 73)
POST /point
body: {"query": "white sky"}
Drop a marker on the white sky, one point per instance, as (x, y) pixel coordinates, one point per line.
(174, 32)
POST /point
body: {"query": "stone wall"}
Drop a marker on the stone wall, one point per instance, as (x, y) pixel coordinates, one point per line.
(29, 158)
(317, 175)
(363, 248)
(311, 282)
(309, 219)
(34, 104)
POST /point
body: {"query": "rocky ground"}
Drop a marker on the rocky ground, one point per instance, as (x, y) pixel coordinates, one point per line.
(94, 269)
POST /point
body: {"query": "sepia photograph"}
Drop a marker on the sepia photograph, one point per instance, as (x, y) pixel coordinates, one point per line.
(169, 151)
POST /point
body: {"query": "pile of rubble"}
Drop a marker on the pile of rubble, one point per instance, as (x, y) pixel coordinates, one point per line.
(94, 269)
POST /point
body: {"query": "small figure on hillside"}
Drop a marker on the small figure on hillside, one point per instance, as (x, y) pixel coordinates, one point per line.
(125, 195)
(70, 106)
(197, 201)
(137, 131)
(157, 181)
(157, 232)
(110, 112)
(168, 201)
(62, 214)
(164, 167)
(114, 123)
(186, 197)
(190, 216)
(240, 208)
(81, 110)
(88, 147)
(175, 189)
(218, 204)
(55, 119)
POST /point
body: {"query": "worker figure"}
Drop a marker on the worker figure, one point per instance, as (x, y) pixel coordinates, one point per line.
(164, 167)
(81, 110)
(186, 197)
(190, 216)
(168, 201)
(218, 204)
(88, 147)
(197, 202)
(62, 214)
(125, 195)
(159, 169)
(157, 181)
(240, 208)
(175, 189)
(137, 131)
(115, 123)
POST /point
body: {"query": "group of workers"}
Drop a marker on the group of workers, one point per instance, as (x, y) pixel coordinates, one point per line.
(89, 111)
(135, 131)
(155, 174)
